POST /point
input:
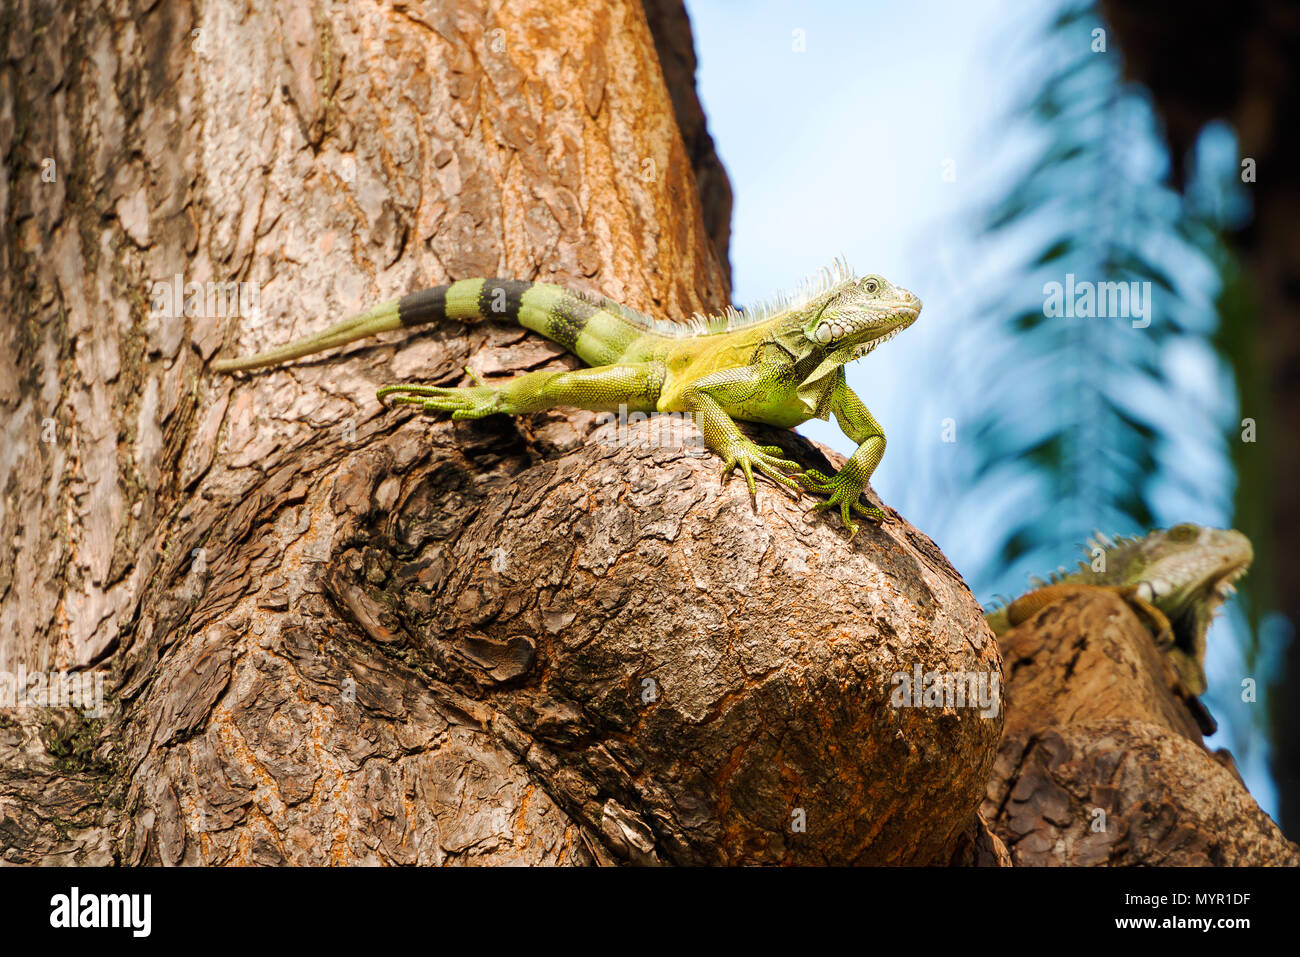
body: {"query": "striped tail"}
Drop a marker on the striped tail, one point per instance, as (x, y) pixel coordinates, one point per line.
(597, 332)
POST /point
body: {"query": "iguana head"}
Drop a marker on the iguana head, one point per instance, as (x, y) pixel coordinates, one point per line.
(856, 315)
(844, 323)
(1186, 571)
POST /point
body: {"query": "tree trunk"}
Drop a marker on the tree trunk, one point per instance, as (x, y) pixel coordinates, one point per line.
(1101, 764)
(338, 633)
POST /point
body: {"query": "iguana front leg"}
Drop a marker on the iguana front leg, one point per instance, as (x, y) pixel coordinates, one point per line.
(846, 486)
(705, 400)
(635, 386)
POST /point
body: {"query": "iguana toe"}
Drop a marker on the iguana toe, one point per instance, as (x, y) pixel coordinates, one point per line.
(471, 402)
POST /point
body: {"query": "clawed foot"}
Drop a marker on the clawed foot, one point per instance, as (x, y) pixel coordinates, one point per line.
(468, 402)
(845, 493)
(767, 459)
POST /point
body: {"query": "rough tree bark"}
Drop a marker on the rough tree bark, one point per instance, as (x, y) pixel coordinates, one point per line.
(337, 633)
(1101, 764)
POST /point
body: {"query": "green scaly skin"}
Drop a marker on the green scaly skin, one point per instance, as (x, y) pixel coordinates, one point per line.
(780, 364)
(1175, 580)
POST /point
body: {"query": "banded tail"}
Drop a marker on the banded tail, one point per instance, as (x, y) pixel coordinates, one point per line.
(598, 332)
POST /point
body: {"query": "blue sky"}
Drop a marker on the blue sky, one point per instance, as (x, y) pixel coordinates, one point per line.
(841, 149)
(877, 131)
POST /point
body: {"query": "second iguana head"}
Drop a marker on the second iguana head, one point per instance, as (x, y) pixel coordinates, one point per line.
(1186, 571)
(1180, 576)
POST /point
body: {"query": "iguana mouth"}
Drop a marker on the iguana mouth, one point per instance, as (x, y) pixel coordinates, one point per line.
(862, 348)
(1203, 606)
(1226, 586)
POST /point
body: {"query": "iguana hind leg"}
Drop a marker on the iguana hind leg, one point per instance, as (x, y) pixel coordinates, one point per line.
(634, 386)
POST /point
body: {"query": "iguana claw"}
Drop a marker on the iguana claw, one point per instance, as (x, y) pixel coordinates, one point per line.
(468, 402)
(767, 459)
(845, 493)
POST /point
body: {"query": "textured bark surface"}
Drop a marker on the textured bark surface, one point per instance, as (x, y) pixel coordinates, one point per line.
(343, 634)
(333, 158)
(52, 790)
(609, 623)
(1101, 764)
(980, 847)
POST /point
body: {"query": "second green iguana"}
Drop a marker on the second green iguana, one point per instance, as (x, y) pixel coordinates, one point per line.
(780, 364)
(1174, 579)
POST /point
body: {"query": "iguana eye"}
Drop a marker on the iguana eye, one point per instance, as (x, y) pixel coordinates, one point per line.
(1185, 532)
(871, 286)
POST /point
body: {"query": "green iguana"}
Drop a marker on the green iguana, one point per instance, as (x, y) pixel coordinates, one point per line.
(1175, 580)
(780, 364)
